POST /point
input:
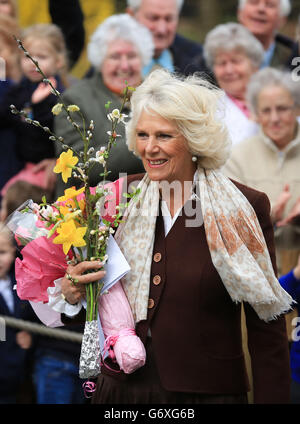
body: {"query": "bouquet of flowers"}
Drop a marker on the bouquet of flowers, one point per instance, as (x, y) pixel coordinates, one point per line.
(74, 228)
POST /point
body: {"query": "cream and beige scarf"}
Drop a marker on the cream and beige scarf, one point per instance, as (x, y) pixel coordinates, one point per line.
(235, 239)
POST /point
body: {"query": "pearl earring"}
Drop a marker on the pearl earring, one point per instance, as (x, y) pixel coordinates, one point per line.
(194, 158)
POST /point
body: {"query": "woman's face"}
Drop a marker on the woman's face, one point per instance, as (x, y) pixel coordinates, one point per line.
(163, 150)
(49, 61)
(122, 63)
(233, 70)
(277, 114)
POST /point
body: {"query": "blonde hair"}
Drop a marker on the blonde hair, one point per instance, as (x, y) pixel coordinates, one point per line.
(192, 103)
(54, 36)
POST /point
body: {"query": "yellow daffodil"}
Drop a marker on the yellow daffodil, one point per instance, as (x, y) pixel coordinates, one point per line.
(69, 212)
(70, 235)
(64, 210)
(64, 164)
(70, 193)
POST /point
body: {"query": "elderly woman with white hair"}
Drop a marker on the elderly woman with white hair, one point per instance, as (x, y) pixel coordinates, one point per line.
(234, 55)
(118, 50)
(269, 161)
(198, 246)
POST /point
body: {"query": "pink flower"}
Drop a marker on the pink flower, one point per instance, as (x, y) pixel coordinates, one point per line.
(43, 262)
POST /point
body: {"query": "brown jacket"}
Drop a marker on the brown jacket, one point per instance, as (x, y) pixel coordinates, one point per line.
(196, 327)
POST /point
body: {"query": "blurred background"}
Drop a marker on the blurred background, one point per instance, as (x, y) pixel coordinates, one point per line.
(197, 18)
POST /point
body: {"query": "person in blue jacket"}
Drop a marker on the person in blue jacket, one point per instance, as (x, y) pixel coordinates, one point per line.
(291, 283)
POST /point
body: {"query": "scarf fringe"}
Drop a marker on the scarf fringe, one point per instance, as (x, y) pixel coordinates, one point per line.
(235, 239)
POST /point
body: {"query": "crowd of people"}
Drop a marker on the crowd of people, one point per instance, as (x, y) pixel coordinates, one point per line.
(200, 113)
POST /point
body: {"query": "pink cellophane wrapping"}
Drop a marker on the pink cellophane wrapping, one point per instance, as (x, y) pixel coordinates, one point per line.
(115, 315)
(43, 262)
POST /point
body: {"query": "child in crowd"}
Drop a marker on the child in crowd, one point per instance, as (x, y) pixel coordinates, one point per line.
(45, 43)
(54, 363)
(9, 8)
(14, 348)
(17, 193)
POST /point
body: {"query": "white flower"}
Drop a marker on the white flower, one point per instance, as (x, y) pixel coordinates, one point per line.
(35, 207)
(115, 115)
(46, 211)
(100, 157)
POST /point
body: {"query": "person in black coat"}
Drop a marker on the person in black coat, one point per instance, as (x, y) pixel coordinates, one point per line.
(45, 42)
(69, 17)
(14, 344)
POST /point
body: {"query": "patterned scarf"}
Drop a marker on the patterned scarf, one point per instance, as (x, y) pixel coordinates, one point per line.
(235, 239)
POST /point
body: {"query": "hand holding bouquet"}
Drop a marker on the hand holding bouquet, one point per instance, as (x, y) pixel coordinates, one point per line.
(76, 228)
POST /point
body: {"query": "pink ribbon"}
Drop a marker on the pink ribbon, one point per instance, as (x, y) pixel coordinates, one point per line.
(89, 387)
(110, 341)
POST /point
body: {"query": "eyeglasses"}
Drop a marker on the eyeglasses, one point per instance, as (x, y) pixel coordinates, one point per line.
(280, 110)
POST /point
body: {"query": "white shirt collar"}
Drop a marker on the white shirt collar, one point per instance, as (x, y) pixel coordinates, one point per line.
(169, 221)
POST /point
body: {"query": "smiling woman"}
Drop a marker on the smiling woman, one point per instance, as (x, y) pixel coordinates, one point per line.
(228, 260)
(234, 55)
(275, 101)
(163, 150)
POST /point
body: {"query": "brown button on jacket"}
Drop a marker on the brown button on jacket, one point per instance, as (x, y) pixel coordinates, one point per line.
(196, 327)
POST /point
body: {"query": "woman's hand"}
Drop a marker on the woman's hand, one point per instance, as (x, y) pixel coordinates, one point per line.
(293, 216)
(73, 283)
(280, 204)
